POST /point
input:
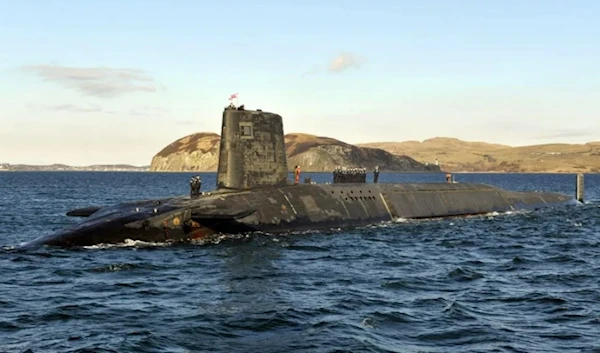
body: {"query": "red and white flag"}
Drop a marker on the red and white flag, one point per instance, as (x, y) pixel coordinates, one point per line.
(233, 96)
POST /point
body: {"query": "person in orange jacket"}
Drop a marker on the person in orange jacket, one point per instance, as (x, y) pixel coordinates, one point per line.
(296, 174)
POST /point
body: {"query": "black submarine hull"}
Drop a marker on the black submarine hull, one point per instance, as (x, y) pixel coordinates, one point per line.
(291, 208)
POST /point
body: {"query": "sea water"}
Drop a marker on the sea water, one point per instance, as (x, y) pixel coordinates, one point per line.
(516, 282)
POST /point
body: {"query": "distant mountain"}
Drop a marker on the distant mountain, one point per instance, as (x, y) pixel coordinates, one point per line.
(199, 152)
(64, 167)
(457, 155)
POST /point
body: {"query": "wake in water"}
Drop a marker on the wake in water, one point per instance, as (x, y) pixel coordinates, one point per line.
(218, 238)
(208, 240)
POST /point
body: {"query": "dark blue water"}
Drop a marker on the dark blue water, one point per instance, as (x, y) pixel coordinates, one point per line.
(521, 282)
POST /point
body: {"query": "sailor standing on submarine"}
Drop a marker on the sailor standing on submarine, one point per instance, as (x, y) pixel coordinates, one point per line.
(297, 175)
(195, 185)
(376, 174)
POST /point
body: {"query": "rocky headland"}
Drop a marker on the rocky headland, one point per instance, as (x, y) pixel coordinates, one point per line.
(199, 152)
(195, 152)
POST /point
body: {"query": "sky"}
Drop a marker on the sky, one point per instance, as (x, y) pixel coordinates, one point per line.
(102, 82)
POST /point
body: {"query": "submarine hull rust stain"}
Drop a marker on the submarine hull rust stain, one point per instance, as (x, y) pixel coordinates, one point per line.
(253, 194)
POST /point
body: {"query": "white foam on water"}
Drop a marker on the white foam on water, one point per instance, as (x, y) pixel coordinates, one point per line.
(400, 220)
(218, 238)
(128, 243)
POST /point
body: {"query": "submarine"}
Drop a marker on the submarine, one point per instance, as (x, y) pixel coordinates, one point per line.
(253, 194)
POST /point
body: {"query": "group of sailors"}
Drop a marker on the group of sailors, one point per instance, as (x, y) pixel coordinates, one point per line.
(353, 175)
(349, 175)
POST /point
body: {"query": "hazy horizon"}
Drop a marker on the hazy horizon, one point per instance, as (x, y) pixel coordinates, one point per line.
(114, 82)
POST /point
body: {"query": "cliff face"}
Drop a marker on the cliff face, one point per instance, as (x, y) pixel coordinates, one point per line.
(315, 153)
(196, 152)
(199, 152)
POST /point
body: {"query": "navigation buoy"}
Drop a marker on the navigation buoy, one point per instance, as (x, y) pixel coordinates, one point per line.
(579, 188)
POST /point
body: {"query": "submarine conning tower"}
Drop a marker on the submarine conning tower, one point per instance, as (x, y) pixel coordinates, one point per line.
(252, 151)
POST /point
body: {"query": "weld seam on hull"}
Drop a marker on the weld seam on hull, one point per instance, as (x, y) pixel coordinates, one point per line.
(289, 202)
(386, 206)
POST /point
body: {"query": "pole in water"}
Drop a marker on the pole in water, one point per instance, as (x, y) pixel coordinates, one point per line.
(579, 187)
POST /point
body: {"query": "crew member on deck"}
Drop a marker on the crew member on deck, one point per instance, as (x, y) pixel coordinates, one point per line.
(296, 174)
(195, 185)
(448, 177)
(199, 184)
(376, 174)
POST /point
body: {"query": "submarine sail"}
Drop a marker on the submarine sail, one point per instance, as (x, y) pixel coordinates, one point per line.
(252, 151)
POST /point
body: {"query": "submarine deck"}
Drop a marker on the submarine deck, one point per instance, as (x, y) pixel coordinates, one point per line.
(306, 206)
(292, 208)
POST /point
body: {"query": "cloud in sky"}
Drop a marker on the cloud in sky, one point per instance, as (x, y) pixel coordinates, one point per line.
(345, 61)
(101, 82)
(187, 122)
(337, 64)
(566, 134)
(94, 108)
(148, 111)
(79, 109)
(515, 128)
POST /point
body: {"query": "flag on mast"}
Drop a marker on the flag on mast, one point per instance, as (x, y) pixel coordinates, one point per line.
(231, 97)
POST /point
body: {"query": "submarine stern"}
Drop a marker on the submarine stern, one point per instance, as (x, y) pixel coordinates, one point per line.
(532, 201)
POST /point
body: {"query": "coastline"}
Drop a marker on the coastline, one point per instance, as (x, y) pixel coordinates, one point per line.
(304, 171)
